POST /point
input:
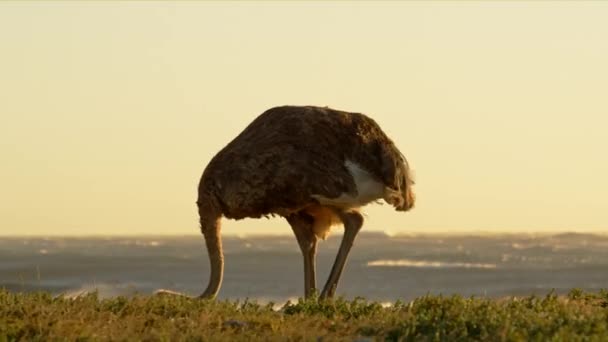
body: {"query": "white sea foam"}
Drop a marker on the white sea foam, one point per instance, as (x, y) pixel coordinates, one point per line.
(165, 292)
(278, 305)
(103, 290)
(142, 243)
(426, 264)
(518, 246)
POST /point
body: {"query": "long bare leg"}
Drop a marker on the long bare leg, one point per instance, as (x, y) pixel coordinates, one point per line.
(352, 224)
(210, 226)
(301, 225)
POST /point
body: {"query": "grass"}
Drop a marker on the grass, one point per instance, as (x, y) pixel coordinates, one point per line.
(42, 317)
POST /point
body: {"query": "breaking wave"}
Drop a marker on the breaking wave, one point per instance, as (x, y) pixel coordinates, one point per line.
(103, 290)
(426, 264)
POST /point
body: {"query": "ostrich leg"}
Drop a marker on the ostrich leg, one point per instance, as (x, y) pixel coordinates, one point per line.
(302, 228)
(352, 224)
(210, 226)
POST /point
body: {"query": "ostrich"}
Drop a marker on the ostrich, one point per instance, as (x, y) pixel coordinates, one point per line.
(314, 166)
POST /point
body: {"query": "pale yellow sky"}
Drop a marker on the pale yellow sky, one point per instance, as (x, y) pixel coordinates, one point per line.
(109, 112)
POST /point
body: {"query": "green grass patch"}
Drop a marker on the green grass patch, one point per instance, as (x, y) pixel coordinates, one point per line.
(42, 317)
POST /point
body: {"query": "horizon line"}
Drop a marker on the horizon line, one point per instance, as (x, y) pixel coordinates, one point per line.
(267, 234)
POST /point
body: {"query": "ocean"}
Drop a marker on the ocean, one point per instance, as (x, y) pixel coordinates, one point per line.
(270, 268)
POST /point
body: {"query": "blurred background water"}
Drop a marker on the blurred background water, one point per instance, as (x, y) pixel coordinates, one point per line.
(269, 268)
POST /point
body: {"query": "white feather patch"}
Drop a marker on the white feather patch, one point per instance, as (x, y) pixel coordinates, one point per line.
(368, 190)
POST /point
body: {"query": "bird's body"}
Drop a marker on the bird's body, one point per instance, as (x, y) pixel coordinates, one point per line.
(311, 165)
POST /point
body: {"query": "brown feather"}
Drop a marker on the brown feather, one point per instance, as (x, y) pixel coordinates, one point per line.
(288, 154)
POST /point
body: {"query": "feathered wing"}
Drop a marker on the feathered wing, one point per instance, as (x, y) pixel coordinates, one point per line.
(288, 154)
(279, 178)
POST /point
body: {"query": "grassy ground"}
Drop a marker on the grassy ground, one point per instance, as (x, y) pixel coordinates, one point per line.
(40, 317)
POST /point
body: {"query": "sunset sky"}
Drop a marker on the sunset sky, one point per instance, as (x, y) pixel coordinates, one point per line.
(109, 111)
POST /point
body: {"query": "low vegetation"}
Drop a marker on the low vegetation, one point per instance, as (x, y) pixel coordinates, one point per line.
(42, 317)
